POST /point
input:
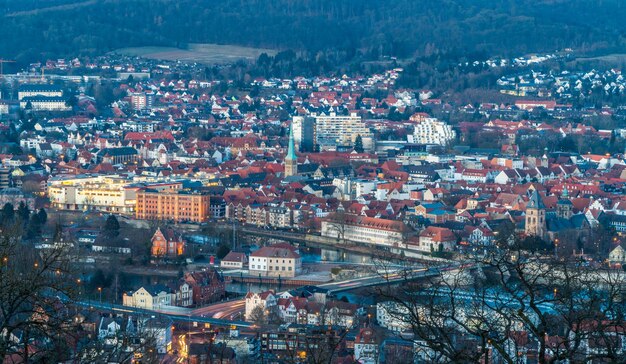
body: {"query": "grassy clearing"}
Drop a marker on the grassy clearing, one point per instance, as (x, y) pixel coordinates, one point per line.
(201, 53)
(52, 8)
(610, 58)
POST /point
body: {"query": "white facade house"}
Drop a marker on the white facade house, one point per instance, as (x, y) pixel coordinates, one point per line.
(390, 316)
(265, 300)
(234, 260)
(617, 255)
(275, 261)
(184, 296)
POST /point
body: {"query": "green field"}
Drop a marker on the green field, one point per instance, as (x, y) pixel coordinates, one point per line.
(610, 58)
(201, 53)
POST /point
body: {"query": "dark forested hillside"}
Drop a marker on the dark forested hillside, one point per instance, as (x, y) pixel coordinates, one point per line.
(38, 29)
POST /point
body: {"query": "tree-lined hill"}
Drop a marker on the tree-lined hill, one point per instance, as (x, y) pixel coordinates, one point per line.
(34, 29)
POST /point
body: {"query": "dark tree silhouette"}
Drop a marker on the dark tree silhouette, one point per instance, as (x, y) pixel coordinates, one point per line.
(111, 226)
(358, 144)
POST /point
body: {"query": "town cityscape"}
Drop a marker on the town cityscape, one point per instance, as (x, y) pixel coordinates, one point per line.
(207, 203)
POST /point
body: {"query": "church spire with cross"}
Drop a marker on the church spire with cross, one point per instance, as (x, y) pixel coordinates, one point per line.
(291, 159)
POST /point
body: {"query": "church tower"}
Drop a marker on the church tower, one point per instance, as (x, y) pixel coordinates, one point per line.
(291, 160)
(544, 158)
(564, 206)
(536, 216)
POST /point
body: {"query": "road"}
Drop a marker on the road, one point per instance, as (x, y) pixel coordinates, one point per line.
(221, 310)
(173, 316)
(392, 277)
(224, 313)
(234, 309)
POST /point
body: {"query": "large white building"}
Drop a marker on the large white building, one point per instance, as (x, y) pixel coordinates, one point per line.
(433, 131)
(86, 192)
(363, 229)
(275, 261)
(38, 90)
(42, 98)
(45, 103)
(332, 131)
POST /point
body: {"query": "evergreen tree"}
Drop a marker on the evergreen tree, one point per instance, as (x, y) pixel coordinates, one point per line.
(358, 144)
(111, 226)
(33, 229)
(23, 212)
(8, 212)
(43, 216)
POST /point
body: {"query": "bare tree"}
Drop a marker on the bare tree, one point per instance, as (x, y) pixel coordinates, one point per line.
(257, 315)
(35, 294)
(131, 339)
(336, 225)
(513, 303)
(309, 344)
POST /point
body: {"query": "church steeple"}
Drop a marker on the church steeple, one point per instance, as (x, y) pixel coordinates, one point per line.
(564, 207)
(535, 216)
(291, 159)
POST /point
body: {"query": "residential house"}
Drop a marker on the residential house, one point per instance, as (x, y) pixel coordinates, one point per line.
(276, 260)
(435, 239)
(207, 285)
(234, 260)
(167, 242)
(265, 300)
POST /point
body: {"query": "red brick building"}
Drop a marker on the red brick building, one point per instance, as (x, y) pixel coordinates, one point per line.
(207, 285)
(167, 242)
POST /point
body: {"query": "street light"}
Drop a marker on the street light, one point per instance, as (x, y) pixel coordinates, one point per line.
(556, 245)
(100, 291)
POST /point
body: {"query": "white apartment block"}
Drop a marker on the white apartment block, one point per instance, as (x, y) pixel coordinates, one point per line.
(280, 216)
(432, 131)
(341, 130)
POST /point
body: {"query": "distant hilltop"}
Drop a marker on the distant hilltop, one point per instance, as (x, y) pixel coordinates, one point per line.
(366, 29)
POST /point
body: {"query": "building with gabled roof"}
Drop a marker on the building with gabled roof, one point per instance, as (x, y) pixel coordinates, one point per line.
(167, 242)
(276, 261)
